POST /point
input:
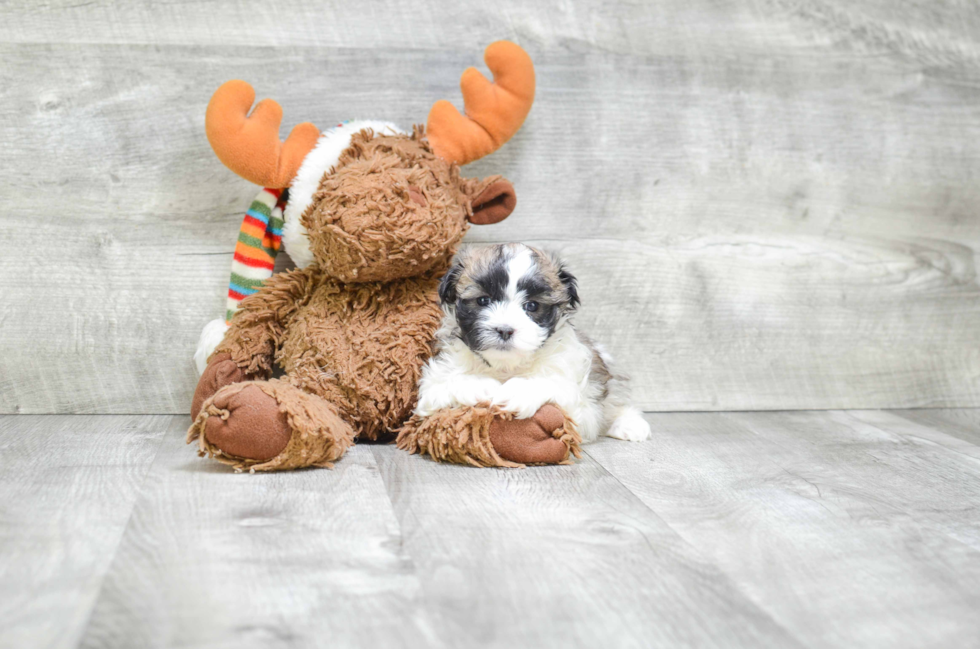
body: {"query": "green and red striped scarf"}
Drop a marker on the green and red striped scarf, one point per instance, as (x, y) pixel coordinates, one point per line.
(259, 240)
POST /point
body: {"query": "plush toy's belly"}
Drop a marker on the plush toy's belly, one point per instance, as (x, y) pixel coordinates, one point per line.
(362, 347)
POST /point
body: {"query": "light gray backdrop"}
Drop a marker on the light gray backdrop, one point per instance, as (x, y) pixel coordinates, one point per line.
(770, 204)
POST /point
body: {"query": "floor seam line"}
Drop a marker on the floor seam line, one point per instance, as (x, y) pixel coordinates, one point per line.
(122, 534)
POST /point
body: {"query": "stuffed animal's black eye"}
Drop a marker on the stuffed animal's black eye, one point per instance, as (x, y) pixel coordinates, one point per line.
(483, 301)
(531, 306)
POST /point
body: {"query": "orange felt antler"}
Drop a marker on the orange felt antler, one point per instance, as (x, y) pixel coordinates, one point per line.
(494, 111)
(250, 145)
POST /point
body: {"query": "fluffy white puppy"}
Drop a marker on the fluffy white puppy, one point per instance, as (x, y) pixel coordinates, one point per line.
(507, 339)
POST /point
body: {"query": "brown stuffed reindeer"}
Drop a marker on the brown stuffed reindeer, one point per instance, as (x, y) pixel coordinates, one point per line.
(372, 218)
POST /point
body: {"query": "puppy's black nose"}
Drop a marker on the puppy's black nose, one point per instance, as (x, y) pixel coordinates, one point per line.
(505, 333)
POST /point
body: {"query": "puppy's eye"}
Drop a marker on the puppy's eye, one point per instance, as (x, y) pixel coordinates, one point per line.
(531, 306)
(483, 301)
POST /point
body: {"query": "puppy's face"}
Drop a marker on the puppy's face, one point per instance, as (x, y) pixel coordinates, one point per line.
(507, 299)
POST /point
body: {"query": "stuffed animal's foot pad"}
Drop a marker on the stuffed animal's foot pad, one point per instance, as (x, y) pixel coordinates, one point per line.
(530, 441)
(270, 426)
(247, 423)
(221, 371)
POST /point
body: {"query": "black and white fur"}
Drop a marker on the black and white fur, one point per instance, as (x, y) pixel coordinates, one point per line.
(507, 339)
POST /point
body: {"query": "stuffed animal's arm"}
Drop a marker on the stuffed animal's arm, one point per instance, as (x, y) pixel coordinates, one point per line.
(481, 421)
(483, 435)
(257, 328)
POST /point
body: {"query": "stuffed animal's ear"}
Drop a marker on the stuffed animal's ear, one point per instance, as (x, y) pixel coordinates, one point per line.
(494, 202)
(447, 287)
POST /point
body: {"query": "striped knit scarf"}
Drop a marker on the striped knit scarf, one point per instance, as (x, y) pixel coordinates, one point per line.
(258, 244)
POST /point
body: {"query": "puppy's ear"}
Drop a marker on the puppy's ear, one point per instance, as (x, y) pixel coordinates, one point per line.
(447, 287)
(571, 286)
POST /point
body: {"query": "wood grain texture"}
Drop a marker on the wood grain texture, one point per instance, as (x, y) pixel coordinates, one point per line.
(621, 26)
(806, 529)
(962, 424)
(67, 488)
(559, 557)
(769, 205)
(302, 558)
(831, 522)
(945, 33)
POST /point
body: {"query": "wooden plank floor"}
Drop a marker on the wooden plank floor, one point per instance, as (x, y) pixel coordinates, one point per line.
(777, 529)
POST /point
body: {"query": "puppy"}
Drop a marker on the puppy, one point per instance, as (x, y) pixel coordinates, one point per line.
(507, 339)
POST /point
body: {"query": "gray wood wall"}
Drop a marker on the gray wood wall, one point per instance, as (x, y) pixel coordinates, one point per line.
(770, 204)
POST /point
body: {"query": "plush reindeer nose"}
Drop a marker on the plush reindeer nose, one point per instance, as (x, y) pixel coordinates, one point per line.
(415, 195)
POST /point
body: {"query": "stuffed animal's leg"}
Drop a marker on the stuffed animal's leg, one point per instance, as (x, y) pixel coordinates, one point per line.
(487, 436)
(270, 425)
(221, 371)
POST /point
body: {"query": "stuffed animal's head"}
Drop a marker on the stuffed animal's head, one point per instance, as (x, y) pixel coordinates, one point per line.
(391, 208)
(367, 201)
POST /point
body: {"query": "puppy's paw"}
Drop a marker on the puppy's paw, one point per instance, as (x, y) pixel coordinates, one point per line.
(468, 391)
(474, 391)
(630, 426)
(520, 397)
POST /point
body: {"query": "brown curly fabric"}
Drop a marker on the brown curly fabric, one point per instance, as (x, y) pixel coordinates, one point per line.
(463, 436)
(369, 221)
(256, 330)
